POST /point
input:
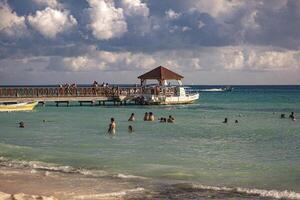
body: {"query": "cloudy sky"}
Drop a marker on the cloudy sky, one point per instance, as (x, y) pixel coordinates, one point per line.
(207, 41)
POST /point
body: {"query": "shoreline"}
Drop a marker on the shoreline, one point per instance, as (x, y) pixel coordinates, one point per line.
(28, 180)
(17, 183)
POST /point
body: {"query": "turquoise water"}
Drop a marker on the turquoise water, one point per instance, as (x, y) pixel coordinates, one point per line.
(261, 151)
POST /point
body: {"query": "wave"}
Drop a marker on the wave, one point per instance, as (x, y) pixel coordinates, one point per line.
(128, 176)
(111, 194)
(36, 167)
(205, 90)
(212, 90)
(263, 193)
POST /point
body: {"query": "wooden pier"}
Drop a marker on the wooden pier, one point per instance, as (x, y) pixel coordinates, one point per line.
(93, 95)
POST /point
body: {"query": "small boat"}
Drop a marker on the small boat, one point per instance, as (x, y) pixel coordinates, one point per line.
(164, 93)
(168, 95)
(227, 89)
(26, 106)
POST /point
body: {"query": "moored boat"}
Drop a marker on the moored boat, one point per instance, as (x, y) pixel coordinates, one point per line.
(163, 93)
(26, 106)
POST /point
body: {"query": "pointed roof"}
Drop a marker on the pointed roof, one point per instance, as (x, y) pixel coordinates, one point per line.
(161, 73)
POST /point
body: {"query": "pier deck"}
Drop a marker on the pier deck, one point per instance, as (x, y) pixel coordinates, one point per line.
(93, 95)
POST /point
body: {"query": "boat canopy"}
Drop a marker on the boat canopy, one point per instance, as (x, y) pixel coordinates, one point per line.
(161, 74)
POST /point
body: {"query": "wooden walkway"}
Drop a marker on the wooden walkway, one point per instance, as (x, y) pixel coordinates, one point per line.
(94, 95)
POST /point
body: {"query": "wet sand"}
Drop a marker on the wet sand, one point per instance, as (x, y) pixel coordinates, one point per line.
(26, 184)
(39, 184)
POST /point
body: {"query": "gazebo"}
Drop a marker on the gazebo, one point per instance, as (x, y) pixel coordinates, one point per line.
(161, 74)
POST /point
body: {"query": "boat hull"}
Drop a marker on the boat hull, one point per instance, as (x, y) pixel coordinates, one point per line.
(18, 107)
(171, 100)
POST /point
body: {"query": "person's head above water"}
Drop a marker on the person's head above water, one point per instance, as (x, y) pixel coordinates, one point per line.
(21, 124)
(130, 128)
(112, 119)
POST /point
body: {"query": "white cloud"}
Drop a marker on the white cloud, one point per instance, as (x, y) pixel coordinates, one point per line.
(273, 60)
(47, 3)
(137, 16)
(50, 22)
(171, 14)
(255, 58)
(110, 61)
(216, 8)
(200, 24)
(186, 28)
(107, 21)
(135, 8)
(76, 63)
(231, 58)
(11, 24)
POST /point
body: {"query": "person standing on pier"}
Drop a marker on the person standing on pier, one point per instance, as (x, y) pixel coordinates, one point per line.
(112, 127)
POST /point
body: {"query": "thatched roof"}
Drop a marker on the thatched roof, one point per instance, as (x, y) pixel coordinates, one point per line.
(161, 73)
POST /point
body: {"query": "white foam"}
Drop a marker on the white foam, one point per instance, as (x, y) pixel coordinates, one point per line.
(263, 193)
(111, 194)
(127, 176)
(212, 90)
(36, 166)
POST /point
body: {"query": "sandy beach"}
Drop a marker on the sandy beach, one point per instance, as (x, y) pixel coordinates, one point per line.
(29, 184)
(16, 183)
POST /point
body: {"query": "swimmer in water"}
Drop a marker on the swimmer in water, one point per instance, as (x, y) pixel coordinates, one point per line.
(170, 119)
(282, 116)
(236, 121)
(132, 117)
(112, 127)
(146, 116)
(292, 116)
(130, 129)
(151, 117)
(21, 124)
(225, 120)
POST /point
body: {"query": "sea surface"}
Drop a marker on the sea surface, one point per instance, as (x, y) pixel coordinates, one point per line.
(260, 153)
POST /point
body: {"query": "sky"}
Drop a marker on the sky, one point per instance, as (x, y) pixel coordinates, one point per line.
(209, 42)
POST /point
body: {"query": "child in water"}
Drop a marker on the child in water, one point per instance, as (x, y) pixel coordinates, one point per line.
(130, 129)
(131, 118)
(171, 119)
(151, 117)
(112, 127)
(21, 124)
(292, 116)
(146, 116)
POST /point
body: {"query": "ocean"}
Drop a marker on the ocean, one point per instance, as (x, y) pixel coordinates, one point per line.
(258, 155)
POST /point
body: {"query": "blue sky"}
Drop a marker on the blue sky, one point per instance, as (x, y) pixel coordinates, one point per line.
(207, 41)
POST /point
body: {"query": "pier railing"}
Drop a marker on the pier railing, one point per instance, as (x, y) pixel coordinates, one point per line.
(81, 91)
(31, 92)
